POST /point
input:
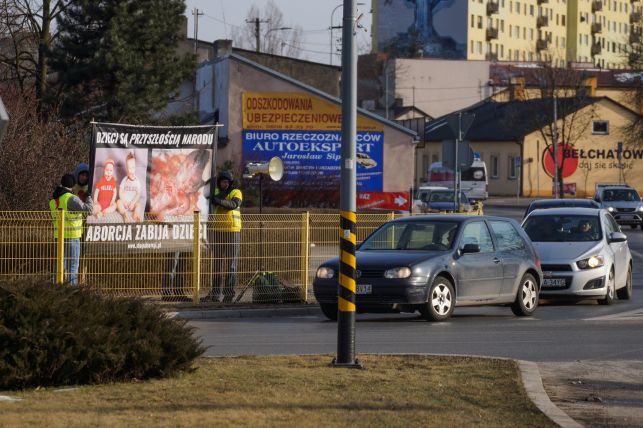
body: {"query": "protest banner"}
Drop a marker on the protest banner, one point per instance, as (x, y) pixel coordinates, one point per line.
(147, 182)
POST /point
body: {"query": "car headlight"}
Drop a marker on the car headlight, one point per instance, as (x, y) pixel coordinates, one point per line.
(401, 272)
(641, 208)
(325, 272)
(610, 209)
(591, 262)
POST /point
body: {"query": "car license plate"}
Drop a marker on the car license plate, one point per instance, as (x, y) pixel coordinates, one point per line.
(553, 282)
(364, 288)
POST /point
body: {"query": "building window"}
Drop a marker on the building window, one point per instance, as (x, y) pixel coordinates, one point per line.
(511, 167)
(473, 21)
(601, 127)
(495, 167)
(479, 21)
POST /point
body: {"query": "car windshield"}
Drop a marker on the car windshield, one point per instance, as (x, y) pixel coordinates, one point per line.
(415, 235)
(445, 196)
(613, 195)
(563, 228)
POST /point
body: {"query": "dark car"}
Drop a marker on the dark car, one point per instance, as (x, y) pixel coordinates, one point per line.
(542, 204)
(434, 263)
(442, 201)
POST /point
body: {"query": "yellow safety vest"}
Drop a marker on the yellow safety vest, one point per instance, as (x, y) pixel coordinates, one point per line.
(73, 220)
(227, 220)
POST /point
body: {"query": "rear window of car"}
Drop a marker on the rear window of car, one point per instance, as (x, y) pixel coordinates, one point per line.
(473, 174)
(507, 236)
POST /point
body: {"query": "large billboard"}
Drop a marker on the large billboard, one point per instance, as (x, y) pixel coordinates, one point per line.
(305, 132)
(147, 182)
(414, 28)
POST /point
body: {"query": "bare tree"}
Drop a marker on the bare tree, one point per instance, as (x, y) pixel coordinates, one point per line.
(275, 36)
(25, 39)
(563, 104)
(27, 177)
(634, 59)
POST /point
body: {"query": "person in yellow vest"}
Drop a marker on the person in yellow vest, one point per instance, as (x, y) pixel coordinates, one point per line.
(225, 236)
(74, 207)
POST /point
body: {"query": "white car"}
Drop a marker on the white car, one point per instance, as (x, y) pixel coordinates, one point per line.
(365, 160)
(583, 254)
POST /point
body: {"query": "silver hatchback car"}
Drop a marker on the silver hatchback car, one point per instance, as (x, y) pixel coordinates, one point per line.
(583, 252)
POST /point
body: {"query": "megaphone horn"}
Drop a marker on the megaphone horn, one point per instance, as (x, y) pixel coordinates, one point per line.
(274, 168)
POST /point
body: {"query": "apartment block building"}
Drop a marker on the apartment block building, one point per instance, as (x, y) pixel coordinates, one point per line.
(598, 32)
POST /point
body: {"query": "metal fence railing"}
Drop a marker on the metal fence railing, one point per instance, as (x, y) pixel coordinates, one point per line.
(278, 254)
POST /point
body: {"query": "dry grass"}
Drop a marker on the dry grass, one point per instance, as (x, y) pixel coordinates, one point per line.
(296, 391)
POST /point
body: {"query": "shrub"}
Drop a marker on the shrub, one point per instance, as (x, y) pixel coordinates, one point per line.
(61, 335)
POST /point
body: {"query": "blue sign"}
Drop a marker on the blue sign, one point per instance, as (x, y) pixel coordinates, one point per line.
(312, 158)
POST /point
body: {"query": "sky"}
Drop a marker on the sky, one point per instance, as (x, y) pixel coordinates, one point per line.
(314, 16)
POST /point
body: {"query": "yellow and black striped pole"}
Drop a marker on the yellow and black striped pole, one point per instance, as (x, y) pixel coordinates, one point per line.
(348, 192)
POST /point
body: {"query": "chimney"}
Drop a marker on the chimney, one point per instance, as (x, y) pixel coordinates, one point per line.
(222, 48)
(589, 86)
(517, 88)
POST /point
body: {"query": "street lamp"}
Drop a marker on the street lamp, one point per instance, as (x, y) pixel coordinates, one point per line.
(265, 36)
(339, 26)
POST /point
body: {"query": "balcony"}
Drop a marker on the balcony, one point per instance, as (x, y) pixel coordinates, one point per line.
(492, 33)
(491, 56)
(492, 7)
(635, 17)
(541, 45)
(597, 6)
(542, 21)
(543, 1)
(635, 38)
(596, 49)
(597, 27)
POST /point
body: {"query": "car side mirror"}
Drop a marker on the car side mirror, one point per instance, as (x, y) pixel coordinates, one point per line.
(617, 237)
(470, 248)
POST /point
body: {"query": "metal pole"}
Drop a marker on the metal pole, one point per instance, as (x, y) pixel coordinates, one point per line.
(196, 258)
(348, 217)
(554, 138)
(60, 250)
(456, 167)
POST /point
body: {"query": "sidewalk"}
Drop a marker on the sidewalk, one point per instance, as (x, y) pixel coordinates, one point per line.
(207, 312)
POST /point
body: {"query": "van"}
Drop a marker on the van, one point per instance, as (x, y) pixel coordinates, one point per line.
(473, 181)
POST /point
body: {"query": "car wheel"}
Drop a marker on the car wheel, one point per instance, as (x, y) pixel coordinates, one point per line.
(441, 300)
(329, 310)
(625, 293)
(609, 295)
(527, 297)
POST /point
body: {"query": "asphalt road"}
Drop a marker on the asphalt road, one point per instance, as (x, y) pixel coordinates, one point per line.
(557, 332)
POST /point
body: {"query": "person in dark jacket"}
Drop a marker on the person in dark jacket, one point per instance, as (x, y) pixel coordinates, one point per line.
(225, 236)
(63, 199)
(81, 187)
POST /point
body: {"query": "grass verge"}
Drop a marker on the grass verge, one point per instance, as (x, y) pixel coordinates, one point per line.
(295, 391)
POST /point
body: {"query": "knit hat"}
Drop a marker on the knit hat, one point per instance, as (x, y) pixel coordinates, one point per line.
(108, 161)
(68, 181)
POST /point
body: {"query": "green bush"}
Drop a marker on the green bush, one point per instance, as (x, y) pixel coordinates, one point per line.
(61, 335)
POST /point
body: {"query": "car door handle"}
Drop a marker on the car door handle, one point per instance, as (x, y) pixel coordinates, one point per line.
(496, 260)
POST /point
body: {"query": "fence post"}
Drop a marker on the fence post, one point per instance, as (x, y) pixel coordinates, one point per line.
(196, 258)
(306, 254)
(391, 215)
(60, 250)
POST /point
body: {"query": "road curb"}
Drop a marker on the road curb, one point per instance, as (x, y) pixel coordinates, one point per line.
(534, 387)
(208, 314)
